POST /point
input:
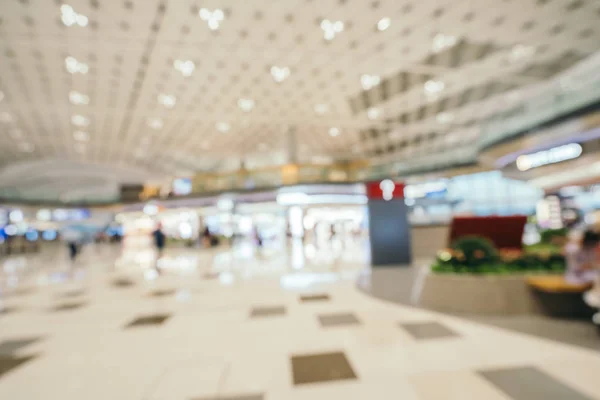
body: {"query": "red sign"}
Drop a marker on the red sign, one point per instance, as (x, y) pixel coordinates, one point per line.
(386, 189)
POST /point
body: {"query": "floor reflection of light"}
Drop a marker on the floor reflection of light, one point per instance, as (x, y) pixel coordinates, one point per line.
(150, 274)
(226, 278)
(297, 254)
(183, 295)
(12, 281)
(305, 280)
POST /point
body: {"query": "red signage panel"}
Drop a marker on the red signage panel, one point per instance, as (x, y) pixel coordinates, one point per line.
(386, 189)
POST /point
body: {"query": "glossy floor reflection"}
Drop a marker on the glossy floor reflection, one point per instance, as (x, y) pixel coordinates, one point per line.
(238, 323)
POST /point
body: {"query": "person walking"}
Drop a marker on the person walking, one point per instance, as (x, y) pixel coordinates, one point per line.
(159, 242)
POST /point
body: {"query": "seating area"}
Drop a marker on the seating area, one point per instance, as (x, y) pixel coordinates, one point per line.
(559, 298)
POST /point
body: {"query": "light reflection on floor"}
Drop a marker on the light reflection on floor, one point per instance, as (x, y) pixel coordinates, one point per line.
(295, 264)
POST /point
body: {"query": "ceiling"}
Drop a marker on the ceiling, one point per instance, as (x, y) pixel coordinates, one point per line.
(171, 87)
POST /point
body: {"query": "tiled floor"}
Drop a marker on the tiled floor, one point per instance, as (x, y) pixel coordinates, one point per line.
(234, 325)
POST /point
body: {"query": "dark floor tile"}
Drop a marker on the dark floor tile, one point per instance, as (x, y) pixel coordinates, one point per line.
(72, 293)
(23, 291)
(241, 397)
(122, 283)
(429, 330)
(162, 293)
(10, 363)
(67, 306)
(148, 320)
(314, 297)
(8, 347)
(8, 310)
(321, 368)
(529, 383)
(341, 319)
(261, 312)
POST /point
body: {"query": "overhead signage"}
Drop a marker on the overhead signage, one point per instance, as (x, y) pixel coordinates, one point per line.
(433, 189)
(551, 156)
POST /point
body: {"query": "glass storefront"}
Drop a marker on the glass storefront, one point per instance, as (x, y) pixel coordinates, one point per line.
(486, 193)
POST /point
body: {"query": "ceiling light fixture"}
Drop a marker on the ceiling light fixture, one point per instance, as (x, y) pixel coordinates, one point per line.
(333, 132)
(444, 117)
(223, 127)
(368, 81)
(442, 42)
(167, 100)
(433, 88)
(246, 104)
(185, 67)
(79, 120)
(321, 108)
(155, 123)
(373, 113)
(280, 74)
(74, 66)
(78, 98)
(69, 17)
(212, 18)
(383, 24)
(331, 28)
(81, 136)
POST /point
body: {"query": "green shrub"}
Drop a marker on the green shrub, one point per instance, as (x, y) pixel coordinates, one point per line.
(477, 255)
(548, 235)
(475, 250)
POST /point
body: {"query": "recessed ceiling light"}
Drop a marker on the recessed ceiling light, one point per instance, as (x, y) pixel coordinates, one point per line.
(321, 108)
(383, 24)
(280, 73)
(69, 17)
(185, 67)
(74, 66)
(155, 123)
(333, 132)
(331, 28)
(368, 81)
(81, 136)
(520, 52)
(26, 147)
(223, 127)
(78, 98)
(373, 113)
(212, 18)
(246, 104)
(442, 42)
(167, 100)
(79, 120)
(433, 88)
(5, 117)
(444, 117)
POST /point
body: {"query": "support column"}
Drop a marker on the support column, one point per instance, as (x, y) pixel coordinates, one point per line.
(389, 229)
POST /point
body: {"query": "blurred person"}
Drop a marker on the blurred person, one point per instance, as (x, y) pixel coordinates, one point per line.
(582, 258)
(74, 240)
(160, 240)
(206, 237)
